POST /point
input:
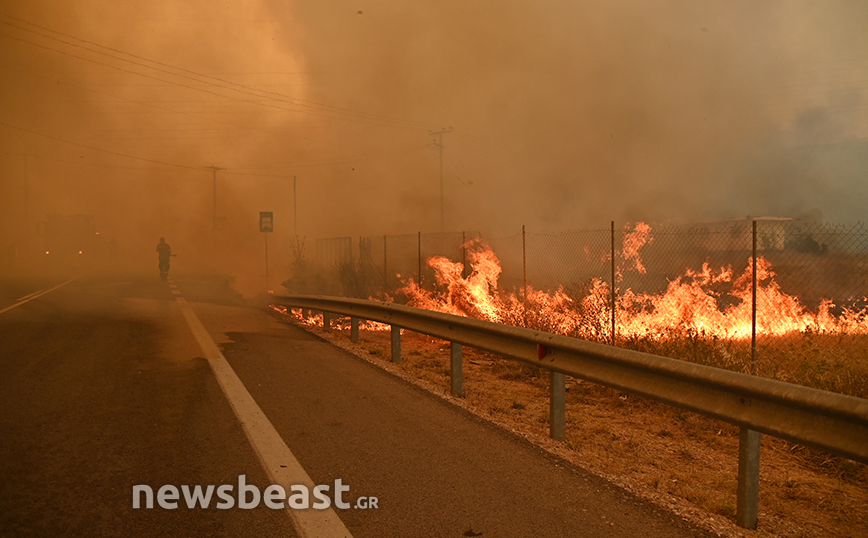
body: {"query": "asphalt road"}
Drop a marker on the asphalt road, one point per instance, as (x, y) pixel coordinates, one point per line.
(103, 387)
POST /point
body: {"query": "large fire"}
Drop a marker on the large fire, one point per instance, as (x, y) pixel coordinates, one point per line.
(689, 305)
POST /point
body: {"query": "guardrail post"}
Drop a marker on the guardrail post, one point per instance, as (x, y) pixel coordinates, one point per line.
(396, 344)
(455, 369)
(558, 405)
(326, 320)
(747, 502)
(354, 330)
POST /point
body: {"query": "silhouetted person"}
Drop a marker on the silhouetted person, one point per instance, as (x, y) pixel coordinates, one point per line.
(164, 251)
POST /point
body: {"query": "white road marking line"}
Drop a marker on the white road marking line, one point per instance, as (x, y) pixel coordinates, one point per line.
(276, 458)
(40, 294)
(176, 292)
(27, 296)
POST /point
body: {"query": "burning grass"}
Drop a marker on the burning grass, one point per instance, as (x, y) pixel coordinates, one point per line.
(703, 316)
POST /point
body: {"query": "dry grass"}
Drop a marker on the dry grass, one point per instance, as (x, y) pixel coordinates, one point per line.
(680, 460)
(837, 363)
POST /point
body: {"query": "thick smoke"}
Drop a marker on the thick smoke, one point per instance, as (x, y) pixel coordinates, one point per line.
(562, 115)
(571, 114)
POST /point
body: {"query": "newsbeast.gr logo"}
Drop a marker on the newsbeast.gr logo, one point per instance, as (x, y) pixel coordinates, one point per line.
(248, 496)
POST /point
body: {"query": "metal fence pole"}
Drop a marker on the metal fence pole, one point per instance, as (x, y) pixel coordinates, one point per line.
(558, 405)
(747, 502)
(613, 283)
(456, 372)
(354, 330)
(419, 244)
(463, 255)
(363, 273)
(523, 264)
(327, 320)
(385, 269)
(753, 308)
(396, 344)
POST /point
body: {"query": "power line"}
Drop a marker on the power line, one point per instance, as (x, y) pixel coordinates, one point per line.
(194, 88)
(146, 104)
(227, 171)
(323, 162)
(317, 108)
(439, 144)
(141, 103)
(94, 148)
(144, 74)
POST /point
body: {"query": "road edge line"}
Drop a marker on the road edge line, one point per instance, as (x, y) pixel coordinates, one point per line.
(279, 463)
(38, 294)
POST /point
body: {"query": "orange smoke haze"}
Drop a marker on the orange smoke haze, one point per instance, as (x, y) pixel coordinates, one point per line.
(562, 115)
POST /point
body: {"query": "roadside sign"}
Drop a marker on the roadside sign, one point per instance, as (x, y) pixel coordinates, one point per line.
(266, 221)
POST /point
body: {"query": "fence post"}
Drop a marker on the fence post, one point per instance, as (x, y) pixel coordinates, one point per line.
(753, 308)
(396, 344)
(747, 501)
(523, 264)
(613, 283)
(385, 269)
(360, 293)
(558, 405)
(456, 373)
(419, 245)
(326, 320)
(354, 330)
(463, 255)
(747, 497)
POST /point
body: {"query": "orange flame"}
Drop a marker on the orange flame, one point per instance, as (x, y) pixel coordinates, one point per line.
(475, 296)
(687, 305)
(316, 320)
(633, 242)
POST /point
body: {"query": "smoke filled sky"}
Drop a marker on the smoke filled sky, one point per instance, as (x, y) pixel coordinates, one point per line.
(562, 114)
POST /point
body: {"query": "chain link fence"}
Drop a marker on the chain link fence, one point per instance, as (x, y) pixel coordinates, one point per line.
(683, 291)
(812, 308)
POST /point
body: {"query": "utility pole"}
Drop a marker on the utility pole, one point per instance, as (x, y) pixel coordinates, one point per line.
(26, 192)
(26, 219)
(614, 304)
(214, 170)
(439, 134)
(294, 208)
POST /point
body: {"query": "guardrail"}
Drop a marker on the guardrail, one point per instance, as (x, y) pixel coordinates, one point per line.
(817, 418)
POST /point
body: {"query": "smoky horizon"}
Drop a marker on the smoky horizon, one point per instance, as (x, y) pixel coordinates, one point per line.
(185, 120)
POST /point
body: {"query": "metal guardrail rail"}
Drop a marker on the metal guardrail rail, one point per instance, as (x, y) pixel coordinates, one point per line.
(816, 418)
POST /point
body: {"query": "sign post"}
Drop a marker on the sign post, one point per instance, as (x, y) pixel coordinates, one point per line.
(266, 226)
